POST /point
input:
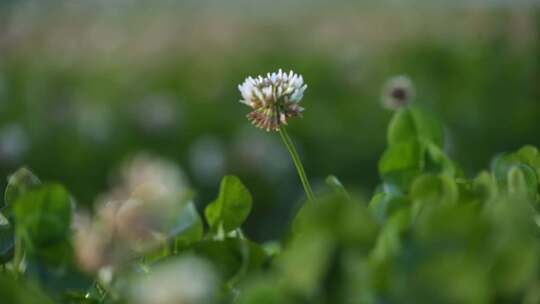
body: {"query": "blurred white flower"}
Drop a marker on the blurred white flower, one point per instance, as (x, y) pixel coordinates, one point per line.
(153, 179)
(154, 191)
(90, 244)
(185, 280)
(143, 226)
(14, 143)
(274, 98)
(398, 92)
(135, 216)
(207, 159)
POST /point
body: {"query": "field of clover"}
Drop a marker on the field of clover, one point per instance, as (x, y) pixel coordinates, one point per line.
(428, 234)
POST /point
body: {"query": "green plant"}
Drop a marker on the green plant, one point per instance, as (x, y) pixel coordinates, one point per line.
(429, 234)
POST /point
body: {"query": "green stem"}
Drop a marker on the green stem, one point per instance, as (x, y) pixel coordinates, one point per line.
(297, 163)
(166, 248)
(18, 255)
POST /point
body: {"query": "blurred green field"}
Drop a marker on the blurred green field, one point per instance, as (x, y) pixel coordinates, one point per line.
(85, 85)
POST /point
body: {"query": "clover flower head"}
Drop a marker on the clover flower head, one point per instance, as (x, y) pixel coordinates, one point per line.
(274, 98)
(398, 92)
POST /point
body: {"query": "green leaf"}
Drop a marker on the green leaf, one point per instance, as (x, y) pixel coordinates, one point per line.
(7, 240)
(19, 183)
(264, 290)
(43, 222)
(389, 239)
(234, 258)
(478, 191)
(530, 156)
(500, 166)
(383, 205)
(524, 160)
(411, 124)
(54, 268)
(484, 185)
(528, 153)
(313, 249)
(188, 228)
(336, 185)
(432, 189)
(16, 291)
(44, 214)
(347, 220)
(401, 163)
(522, 180)
(437, 162)
(272, 248)
(232, 206)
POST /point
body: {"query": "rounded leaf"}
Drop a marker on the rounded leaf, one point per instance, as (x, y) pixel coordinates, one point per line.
(44, 214)
(431, 187)
(188, 227)
(232, 206)
(19, 183)
(522, 180)
(401, 163)
(411, 124)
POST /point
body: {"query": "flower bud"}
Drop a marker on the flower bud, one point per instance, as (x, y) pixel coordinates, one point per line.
(398, 92)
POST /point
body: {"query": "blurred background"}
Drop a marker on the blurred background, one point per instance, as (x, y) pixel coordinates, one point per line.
(86, 84)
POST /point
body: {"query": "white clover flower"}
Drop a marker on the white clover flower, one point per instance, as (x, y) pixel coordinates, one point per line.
(274, 98)
(398, 92)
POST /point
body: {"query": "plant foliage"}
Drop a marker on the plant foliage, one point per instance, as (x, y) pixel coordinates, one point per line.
(428, 234)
